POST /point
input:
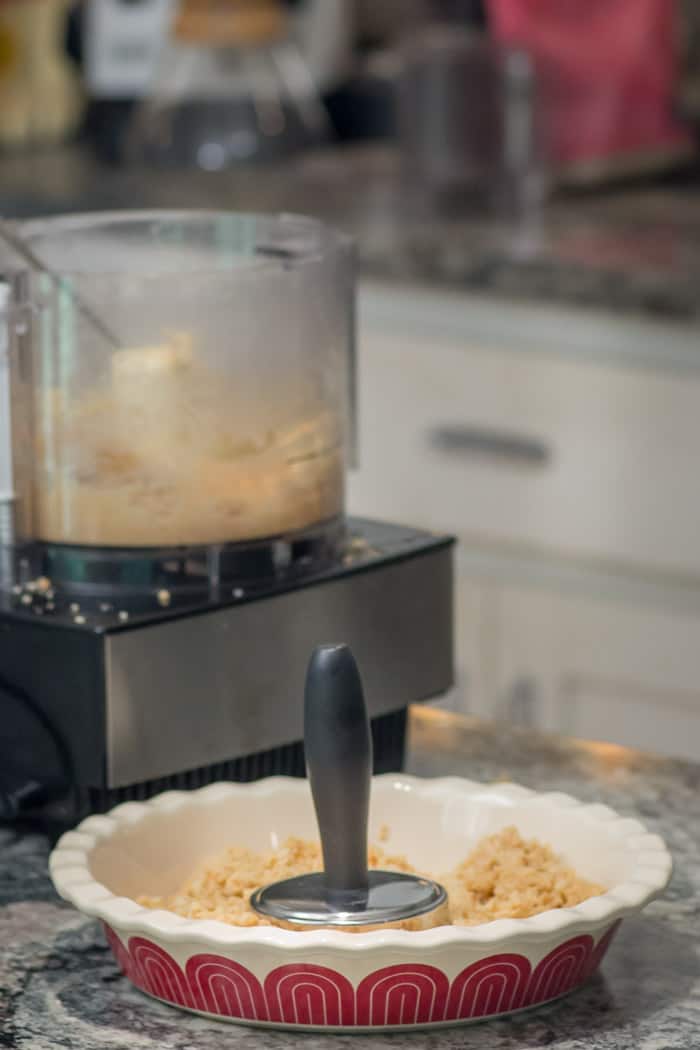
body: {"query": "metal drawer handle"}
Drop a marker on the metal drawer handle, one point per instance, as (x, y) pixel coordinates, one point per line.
(493, 444)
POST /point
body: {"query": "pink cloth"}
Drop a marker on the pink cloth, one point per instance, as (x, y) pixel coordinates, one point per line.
(608, 72)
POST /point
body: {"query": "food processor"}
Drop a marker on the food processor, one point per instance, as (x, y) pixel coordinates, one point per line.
(177, 416)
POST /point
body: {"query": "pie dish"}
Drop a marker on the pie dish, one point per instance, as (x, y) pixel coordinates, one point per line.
(331, 980)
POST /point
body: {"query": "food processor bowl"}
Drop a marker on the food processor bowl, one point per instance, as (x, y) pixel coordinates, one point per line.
(201, 429)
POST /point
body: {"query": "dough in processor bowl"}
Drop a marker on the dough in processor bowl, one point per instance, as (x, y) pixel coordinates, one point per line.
(169, 452)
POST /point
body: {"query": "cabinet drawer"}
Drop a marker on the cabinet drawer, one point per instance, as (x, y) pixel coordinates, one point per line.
(601, 668)
(590, 460)
(664, 723)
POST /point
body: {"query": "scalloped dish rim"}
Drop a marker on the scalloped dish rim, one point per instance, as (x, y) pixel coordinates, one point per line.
(69, 867)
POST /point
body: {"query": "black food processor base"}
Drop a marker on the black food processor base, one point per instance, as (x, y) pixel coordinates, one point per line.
(102, 703)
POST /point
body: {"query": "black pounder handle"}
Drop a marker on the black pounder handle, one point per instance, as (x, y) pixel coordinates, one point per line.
(338, 746)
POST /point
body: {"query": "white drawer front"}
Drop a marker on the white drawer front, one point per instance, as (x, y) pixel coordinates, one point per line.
(600, 668)
(589, 460)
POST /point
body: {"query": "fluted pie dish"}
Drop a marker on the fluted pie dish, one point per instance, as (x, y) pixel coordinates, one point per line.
(330, 979)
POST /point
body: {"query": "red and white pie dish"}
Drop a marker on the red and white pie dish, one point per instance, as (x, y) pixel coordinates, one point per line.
(327, 979)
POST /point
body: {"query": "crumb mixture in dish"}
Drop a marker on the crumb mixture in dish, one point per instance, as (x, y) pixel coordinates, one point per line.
(509, 877)
(221, 888)
(504, 877)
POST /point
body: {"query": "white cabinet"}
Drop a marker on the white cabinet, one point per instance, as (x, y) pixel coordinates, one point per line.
(588, 461)
(601, 668)
(542, 455)
(476, 646)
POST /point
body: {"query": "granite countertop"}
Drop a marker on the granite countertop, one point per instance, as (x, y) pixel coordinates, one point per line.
(635, 252)
(60, 987)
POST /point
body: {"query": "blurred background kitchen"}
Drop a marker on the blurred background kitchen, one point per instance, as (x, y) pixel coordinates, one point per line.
(522, 180)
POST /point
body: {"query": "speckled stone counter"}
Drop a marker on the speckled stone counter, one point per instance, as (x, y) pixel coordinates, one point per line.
(59, 985)
(635, 252)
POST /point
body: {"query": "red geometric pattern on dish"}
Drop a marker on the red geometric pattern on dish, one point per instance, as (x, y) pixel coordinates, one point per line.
(221, 986)
(157, 972)
(120, 952)
(404, 994)
(561, 970)
(303, 993)
(489, 986)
